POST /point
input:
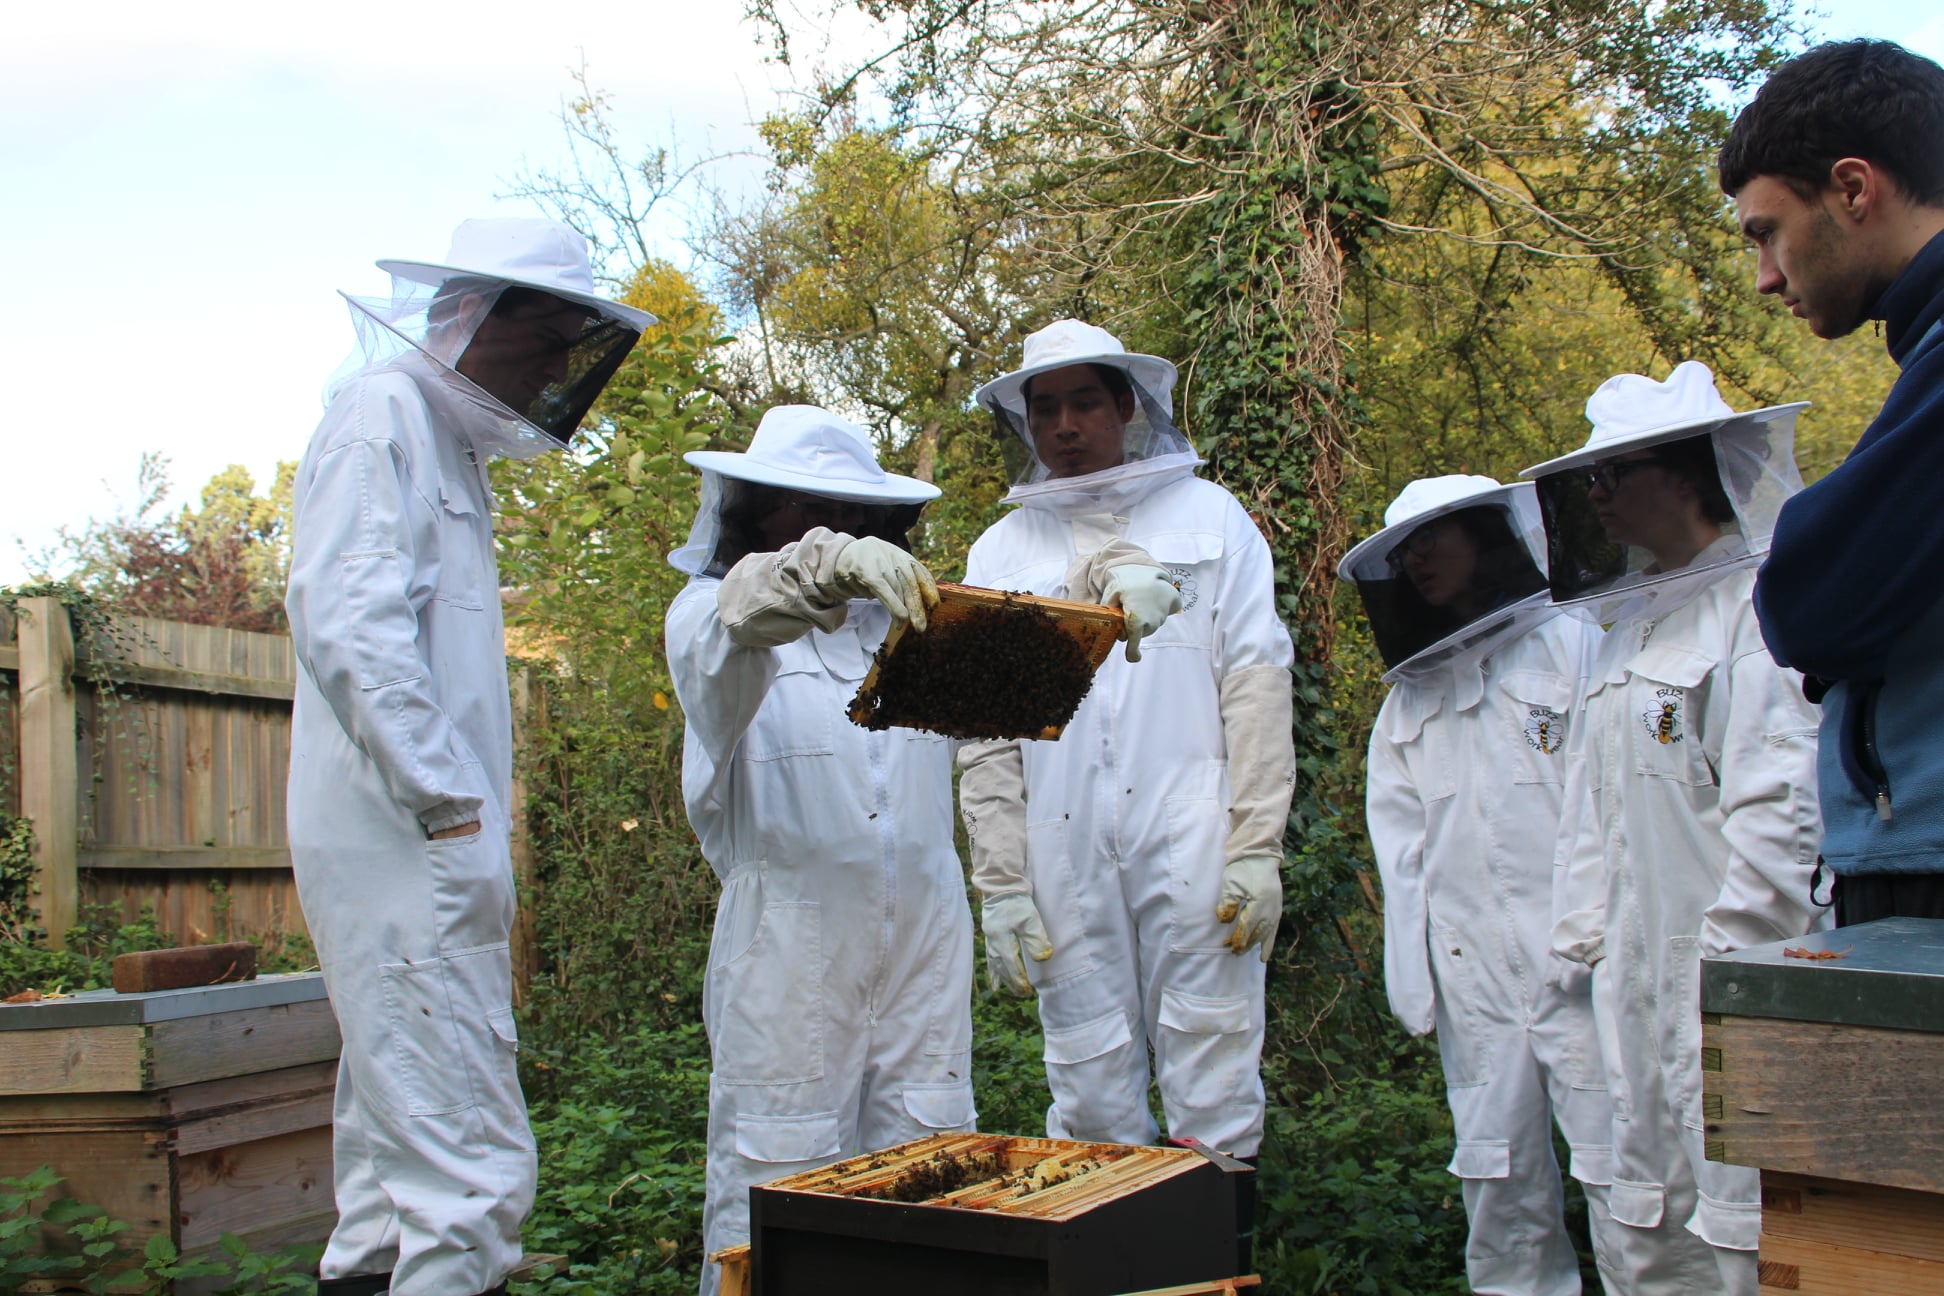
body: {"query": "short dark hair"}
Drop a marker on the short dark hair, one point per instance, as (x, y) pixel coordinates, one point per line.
(1871, 99)
(1693, 460)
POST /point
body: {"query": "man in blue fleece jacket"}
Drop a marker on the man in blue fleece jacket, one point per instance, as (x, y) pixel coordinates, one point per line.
(1837, 172)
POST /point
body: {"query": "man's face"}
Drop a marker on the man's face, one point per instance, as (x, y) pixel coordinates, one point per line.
(516, 355)
(1440, 559)
(1636, 497)
(1075, 420)
(1806, 256)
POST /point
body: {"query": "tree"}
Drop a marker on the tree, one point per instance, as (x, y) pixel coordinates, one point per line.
(224, 564)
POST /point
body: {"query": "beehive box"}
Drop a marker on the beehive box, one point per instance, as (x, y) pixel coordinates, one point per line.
(989, 664)
(1828, 1074)
(190, 1113)
(992, 1215)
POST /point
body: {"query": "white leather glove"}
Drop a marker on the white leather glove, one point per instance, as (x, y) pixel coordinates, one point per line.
(1146, 595)
(1013, 931)
(874, 568)
(1252, 900)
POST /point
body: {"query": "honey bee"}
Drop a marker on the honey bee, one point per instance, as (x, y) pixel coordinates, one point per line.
(1661, 722)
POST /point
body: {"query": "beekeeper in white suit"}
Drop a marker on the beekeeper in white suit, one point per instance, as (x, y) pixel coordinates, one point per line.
(839, 989)
(1691, 822)
(1465, 784)
(1130, 871)
(401, 744)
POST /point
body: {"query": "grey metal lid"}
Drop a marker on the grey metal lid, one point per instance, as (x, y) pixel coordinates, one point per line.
(1892, 975)
(107, 1008)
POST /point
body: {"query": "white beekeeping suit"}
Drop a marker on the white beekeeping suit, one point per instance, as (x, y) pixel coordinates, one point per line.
(1136, 858)
(401, 743)
(1691, 812)
(839, 991)
(1463, 806)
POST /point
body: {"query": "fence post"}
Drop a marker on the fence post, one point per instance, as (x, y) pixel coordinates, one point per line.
(526, 694)
(48, 791)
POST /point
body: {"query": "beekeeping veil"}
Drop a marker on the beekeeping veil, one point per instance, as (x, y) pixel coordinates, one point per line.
(1687, 422)
(1458, 570)
(798, 450)
(508, 327)
(1153, 450)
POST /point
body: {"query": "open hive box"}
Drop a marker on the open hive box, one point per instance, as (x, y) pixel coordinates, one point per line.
(990, 664)
(993, 1215)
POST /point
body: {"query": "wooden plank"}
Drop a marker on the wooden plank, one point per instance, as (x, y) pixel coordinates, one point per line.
(238, 1043)
(1900, 1221)
(49, 790)
(81, 1059)
(1821, 1269)
(265, 1120)
(253, 1185)
(1767, 1086)
(176, 679)
(9, 657)
(185, 857)
(180, 1107)
(125, 1172)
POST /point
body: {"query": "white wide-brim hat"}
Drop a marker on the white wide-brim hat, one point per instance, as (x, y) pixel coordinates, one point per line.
(1434, 497)
(1633, 412)
(541, 254)
(804, 448)
(1068, 342)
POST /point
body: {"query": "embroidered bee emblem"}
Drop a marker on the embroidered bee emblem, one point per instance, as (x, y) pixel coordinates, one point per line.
(1545, 730)
(1184, 583)
(1663, 721)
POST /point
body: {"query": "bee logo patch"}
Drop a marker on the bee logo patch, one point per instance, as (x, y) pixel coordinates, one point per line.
(1184, 583)
(1545, 730)
(1663, 720)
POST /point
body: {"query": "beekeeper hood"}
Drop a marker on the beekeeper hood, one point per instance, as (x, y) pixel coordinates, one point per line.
(1152, 449)
(1742, 467)
(1456, 571)
(508, 326)
(804, 467)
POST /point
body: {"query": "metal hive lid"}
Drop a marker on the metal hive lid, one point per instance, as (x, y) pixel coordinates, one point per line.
(1892, 976)
(107, 1008)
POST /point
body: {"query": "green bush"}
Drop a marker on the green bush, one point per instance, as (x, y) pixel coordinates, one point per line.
(71, 1242)
(620, 1126)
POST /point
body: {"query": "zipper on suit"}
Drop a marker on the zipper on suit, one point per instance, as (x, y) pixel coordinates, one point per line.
(1868, 757)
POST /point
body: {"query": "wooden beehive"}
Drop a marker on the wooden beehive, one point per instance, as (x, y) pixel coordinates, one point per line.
(188, 1113)
(989, 664)
(1828, 1074)
(993, 1215)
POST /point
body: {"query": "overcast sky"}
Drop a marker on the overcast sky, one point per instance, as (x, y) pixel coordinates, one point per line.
(186, 186)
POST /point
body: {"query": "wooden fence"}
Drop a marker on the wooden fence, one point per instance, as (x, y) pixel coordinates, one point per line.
(151, 764)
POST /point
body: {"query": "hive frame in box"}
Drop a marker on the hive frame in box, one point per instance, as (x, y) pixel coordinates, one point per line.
(1094, 627)
(1126, 1219)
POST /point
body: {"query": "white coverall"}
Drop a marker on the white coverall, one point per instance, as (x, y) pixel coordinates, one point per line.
(1691, 828)
(1466, 777)
(1127, 820)
(839, 990)
(402, 727)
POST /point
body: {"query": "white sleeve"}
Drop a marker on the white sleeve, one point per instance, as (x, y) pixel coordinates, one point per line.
(1766, 765)
(1394, 814)
(353, 625)
(720, 683)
